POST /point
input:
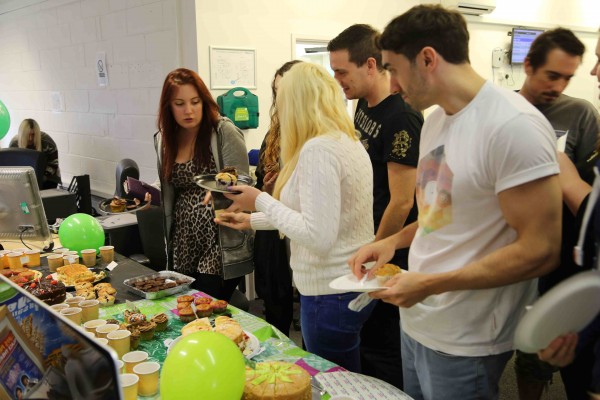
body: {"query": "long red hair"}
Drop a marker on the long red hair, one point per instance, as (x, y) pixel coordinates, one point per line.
(168, 126)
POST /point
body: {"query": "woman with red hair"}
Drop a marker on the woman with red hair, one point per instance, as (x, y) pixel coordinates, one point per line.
(193, 139)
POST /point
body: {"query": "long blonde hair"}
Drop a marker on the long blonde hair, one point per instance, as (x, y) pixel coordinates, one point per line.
(310, 104)
(26, 126)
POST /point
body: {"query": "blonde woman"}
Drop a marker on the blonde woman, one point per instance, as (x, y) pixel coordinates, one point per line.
(322, 201)
(31, 137)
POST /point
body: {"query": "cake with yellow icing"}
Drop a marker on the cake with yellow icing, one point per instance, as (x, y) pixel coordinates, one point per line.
(277, 380)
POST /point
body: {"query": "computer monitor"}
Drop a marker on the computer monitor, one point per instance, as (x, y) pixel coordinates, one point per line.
(45, 356)
(22, 214)
(17, 157)
(521, 42)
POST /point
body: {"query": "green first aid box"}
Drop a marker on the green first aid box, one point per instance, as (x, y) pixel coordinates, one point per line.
(241, 106)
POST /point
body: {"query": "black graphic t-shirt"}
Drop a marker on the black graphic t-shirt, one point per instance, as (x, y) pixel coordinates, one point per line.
(390, 132)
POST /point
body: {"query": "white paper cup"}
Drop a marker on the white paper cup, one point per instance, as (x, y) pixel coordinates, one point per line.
(72, 313)
(58, 307)
(89, 257)
(129, 384)
(134, 358)
(91, 310)
(120, 365)
(148, 373)
(105, 329)
(107, 254)
(93, 324)
(120, 341)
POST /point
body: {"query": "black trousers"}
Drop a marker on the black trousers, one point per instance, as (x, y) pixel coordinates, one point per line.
(380, 355)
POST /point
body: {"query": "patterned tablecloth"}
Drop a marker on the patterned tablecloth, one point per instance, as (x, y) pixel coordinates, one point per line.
(275, 345)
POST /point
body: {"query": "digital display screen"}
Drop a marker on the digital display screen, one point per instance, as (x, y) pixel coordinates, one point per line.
(521, 42)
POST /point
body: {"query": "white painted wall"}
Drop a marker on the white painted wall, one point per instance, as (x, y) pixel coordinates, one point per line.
(51, 48)
(268, 26)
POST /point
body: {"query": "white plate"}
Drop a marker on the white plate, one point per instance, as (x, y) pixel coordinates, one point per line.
(567, 307)
(252, 345)
(351, 284)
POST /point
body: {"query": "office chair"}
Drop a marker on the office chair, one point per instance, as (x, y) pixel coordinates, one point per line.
(126, 167)
(17, 157)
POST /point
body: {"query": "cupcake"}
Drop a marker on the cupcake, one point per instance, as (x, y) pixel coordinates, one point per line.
(218, 306)
(146, 330)
(161, 320)
(135, 319)
(203, 310)
(187, 314)
(385, 272)
(106, 300)
(134, 339)
(183, 304)
(202, 300)
(185, 299)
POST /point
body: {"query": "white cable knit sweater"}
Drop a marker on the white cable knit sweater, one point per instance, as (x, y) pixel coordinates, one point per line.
(326, 210)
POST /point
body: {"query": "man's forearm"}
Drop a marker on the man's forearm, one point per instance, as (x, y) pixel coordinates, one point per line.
(393, 220)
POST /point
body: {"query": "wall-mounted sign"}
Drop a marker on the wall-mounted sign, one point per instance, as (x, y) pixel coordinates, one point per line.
(101, 69)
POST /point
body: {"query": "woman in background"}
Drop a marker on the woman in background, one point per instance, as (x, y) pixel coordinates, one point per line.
(323, 202)
(31, 137)
(272, 275)
(187, 145)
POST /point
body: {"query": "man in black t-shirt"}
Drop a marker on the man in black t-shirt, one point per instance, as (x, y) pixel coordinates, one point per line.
(390, 131)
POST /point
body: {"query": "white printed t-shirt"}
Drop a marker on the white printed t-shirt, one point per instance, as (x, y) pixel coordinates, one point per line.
(498, 141)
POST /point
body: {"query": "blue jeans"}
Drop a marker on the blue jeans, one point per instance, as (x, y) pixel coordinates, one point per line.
(433, 375)
(331, 330)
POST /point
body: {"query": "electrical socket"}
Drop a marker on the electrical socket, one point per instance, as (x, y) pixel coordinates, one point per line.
(497, 58)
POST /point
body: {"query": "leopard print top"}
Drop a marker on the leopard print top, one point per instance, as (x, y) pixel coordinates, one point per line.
(195, 240)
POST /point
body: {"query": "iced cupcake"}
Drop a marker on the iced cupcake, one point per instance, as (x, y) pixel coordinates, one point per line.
(146, 329)
(161, 320)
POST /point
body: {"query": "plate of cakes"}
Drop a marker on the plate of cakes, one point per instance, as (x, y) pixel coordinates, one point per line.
(73, 274)
(224, 181)
(246, 341)
(118, 205)
(21, 276)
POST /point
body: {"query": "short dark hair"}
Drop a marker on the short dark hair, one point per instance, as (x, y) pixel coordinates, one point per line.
(428, 25)
(361, 42)
(559, 38)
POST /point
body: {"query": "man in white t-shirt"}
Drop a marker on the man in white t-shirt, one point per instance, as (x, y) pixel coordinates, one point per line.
(489, 212)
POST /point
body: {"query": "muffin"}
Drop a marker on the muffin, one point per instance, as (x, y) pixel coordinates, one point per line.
(202, 300)
(161, 320)
(187, 314)
(203, 310)
(218, 306)
(385, 272)
(146, 330)
(106, 299)
(228, 176)
(185, 299)
(183, 304)
(118, 205)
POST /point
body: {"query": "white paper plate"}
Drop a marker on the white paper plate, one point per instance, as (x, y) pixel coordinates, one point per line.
(253, 345)
(567, 307)
(351, 284)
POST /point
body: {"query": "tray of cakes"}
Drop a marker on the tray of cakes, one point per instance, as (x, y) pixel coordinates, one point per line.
(159, 284)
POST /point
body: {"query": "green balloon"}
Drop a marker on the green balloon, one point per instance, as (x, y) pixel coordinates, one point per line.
(205, 365)
(4, 120)
(81, 231)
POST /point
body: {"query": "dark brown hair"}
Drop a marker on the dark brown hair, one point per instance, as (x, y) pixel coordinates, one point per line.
(168, 126)
(428, 26)
(360, 40)
(270, 156)
(559, 38)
